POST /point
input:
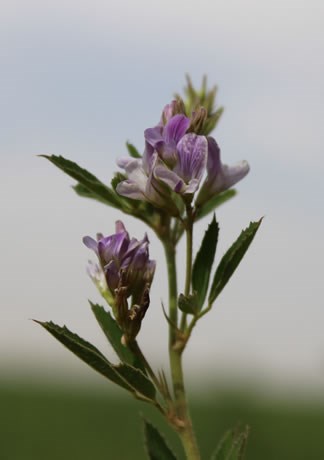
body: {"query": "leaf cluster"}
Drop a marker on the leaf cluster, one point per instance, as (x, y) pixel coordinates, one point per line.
(202, 269)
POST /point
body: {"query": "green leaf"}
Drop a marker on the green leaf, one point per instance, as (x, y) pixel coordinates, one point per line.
(156, 446)
(133, 150)
(88, 185)
(114, 334)
(232, 446)
(204, 261)
(82, 191)
(214, 202)
(188, 304)
(85, 351)
(137, 380)
(123, 375)
(231, 260)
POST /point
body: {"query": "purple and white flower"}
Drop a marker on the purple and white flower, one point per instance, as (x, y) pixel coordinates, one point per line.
(175, 161)
(124, 262)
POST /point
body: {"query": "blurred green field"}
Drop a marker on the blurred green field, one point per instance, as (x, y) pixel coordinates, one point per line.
(44, 422)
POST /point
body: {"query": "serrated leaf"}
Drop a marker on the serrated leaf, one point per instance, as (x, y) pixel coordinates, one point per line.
(231, 260)
(188, 304)
(214, 203)
(90, 185)
(133, 150)
(85, 351)
(204, 261)
(137, 380)
(156, 446)
(114, 334)
(232, 446)
(126, 376)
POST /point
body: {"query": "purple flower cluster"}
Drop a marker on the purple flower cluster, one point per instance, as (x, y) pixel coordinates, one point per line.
(124, 262)
(176, 160)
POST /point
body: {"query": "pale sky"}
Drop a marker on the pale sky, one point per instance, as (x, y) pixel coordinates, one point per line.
(81, 78)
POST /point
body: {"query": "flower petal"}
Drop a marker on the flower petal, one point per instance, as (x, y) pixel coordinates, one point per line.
(219, 177)
(130, 189)
(90, 243)
(168, 112)
(214, 165)
(175, 128)
(153, 135)
(170, 178)
(192, 157)
(135, 186)
(233, 174)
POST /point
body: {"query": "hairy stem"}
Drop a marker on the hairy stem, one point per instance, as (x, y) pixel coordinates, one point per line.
(189, 235)
(182, 421)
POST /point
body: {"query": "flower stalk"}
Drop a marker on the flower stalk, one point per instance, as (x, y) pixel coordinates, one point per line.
(179, 178)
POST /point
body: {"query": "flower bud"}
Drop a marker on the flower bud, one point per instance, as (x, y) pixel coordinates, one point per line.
(125, 271)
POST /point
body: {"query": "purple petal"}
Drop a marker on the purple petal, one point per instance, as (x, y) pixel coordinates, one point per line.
(130, 189)
(113, 247)
(175, 129)
(168, 112)
(159, 194)
(112, 275)
(213, 162)
(192, 186)
(170, 178)
(134, 186)
(233, 174)
(90, 243)
(140, 259)
(153, 135)
(147, 158)
(124, 162)
(133, 246)
(150, 269)
(93, 270)
(192, 157)
(120, 227)
(220, 177)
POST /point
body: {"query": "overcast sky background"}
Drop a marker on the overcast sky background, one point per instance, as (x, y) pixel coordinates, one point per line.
(79, 78)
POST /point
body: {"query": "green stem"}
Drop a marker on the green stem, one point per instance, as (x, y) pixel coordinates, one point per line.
(182, 422)
(189, 235)
(170, 254)
(189, 231)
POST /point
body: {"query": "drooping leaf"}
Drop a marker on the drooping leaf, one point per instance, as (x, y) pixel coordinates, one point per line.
(214, 203)
(156, 446)
(133, 150)
(188, 304)
(204, 261)
(123, 375)
(232, 446)
(114, 335)
(231, 260)
(88, 185)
